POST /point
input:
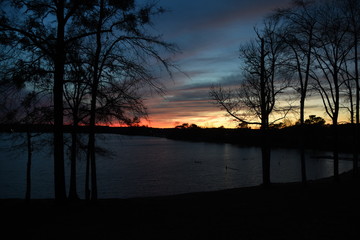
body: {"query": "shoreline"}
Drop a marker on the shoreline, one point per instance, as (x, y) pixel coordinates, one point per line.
(321, 210)
(316, 137)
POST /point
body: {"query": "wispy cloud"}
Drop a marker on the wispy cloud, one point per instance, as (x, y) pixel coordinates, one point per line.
(209, 33)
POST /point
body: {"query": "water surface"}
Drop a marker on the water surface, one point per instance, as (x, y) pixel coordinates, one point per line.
(136, 166)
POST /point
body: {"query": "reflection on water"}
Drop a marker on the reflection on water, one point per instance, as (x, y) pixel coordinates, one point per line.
(150, 166)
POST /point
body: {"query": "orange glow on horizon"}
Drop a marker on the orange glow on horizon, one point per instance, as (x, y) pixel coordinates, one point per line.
(165, 121)
(204, 120)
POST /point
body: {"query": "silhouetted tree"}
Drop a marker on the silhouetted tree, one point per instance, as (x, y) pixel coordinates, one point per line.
(24, 90)
(298, 34)
(331, 53)
(187, 126)
(314, 120)
(76, 89)
(264, 80)
(351, 10)
(323, 39)
(48, 31)
(349, 92)
(23, 106)
(32, 113)
(40, 28)
(120, 58)
(11, 114)
(182, 126)
(194, 126)
(243, 125)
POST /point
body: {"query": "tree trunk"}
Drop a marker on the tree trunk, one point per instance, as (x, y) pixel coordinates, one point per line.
(95, 85)
(336, 151)
(28, 167)
(265, 150)
(351, 105)
(72, 189)
(302, 154)
(302, 109)
(59, 171)
(302, 140)
(356, 150)
(335, 124)
(265, 155)
(87, 175)
(93, 195)
(356, 141)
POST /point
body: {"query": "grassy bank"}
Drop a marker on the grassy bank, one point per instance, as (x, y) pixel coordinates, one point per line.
(322, 210)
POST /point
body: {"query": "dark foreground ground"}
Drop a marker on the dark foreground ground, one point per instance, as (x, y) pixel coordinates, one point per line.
(322, 210)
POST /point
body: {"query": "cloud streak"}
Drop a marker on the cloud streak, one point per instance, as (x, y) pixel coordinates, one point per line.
(209, 33)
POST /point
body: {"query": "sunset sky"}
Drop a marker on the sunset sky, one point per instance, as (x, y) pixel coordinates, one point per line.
(209, 34)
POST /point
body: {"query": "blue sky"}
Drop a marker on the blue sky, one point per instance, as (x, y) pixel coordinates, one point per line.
(209, 34)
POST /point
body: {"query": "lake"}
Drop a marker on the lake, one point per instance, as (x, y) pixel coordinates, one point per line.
(139, 166)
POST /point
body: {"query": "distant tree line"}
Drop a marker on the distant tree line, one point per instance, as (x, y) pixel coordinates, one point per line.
(187, 126)
(310, 47)
(78, 63)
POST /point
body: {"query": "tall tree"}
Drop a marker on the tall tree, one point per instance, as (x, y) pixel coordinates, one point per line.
(298, 34)
(24, 91)
(258, 94)
(26, 106)
(41, 28)
(331, 52)
(32, 113)
(351, 9)
(120, 58)
(76, 91)
(48, 30)
(59, 65)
